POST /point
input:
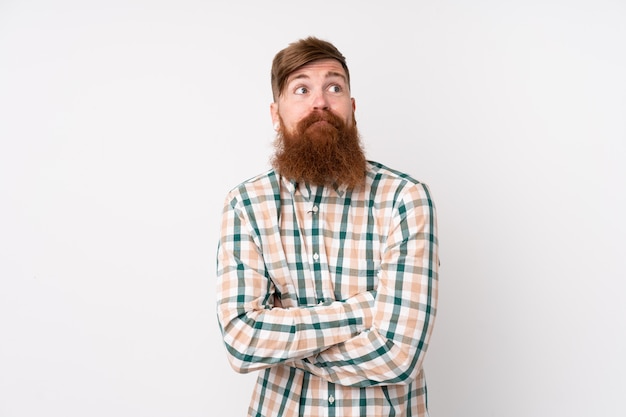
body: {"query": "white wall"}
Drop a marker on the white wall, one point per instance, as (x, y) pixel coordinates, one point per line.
(123, 123)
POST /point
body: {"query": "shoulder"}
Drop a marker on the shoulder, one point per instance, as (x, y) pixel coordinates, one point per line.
(385, 183)
(378, 171)
(259, 188)
(382, 176)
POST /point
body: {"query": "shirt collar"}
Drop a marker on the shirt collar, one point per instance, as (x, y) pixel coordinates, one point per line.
(307, 190)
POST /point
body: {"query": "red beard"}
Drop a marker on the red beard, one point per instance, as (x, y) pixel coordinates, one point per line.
(322, 151)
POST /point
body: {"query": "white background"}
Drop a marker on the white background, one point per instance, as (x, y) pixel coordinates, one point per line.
(124, 123)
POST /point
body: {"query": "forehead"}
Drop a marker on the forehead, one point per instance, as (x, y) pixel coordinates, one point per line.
(323, 68)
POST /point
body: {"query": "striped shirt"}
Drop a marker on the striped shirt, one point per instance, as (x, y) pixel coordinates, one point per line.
(330, 293)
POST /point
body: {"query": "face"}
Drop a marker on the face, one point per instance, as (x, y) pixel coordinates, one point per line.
(319, 85)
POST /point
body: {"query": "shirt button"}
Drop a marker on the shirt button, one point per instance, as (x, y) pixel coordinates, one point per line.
(314, 209)
(331, 400)
(316, 256)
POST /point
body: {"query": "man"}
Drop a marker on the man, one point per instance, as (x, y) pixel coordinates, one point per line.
(327, 264)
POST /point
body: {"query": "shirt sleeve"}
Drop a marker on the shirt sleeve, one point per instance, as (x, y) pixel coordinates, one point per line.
(393, 349)
(255, 334)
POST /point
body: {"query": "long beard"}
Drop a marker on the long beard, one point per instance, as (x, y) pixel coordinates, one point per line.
(322, 151)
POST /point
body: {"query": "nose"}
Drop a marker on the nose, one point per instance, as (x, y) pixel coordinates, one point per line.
(320, 101)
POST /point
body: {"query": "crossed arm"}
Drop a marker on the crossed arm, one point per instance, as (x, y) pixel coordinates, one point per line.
(376, 337)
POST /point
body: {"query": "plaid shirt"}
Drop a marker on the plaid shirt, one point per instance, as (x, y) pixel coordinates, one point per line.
(331, 293)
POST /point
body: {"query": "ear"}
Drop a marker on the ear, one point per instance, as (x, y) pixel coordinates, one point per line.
(353, 104)
(274, 115)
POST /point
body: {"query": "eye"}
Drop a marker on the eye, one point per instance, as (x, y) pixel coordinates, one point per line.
(335, 88)
(301, 90)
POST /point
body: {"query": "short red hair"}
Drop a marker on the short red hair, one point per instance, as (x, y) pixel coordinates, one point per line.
(298, 54)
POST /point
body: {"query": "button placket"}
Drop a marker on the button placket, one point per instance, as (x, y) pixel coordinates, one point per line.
(316, 242)
(331, 397)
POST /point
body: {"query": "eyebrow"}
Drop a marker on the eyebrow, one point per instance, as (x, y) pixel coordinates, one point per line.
(329, 74)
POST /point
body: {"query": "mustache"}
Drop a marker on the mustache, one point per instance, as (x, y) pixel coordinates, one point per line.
(320, 116)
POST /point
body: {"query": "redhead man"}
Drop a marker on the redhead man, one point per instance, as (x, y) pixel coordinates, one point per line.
(327, 265)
